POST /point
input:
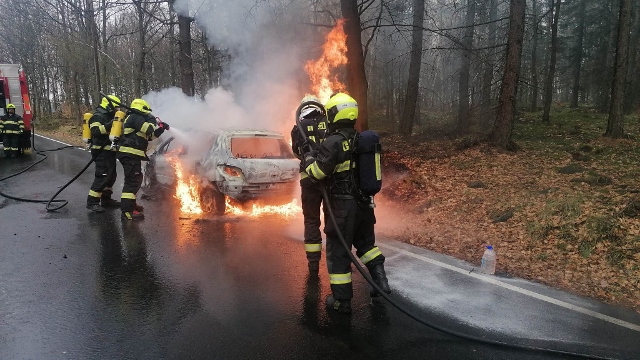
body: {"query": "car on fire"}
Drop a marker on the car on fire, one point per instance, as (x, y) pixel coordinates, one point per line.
(244, 165)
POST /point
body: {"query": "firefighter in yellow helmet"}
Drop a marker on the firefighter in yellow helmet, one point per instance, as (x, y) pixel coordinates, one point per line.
(140, 127)
(105, 156)
(333, 162)
(313, 120)
(12, 127)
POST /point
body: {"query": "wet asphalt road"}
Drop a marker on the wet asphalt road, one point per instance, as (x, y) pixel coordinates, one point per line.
(80, 285)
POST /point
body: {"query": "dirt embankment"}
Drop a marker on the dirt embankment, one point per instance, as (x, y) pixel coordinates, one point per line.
(568, 218)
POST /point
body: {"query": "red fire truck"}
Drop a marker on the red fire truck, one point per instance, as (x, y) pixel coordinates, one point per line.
(14, 90)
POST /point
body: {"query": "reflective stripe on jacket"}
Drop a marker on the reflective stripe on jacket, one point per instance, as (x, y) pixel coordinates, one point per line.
(100, 125)
(12, 124)
(139, 129)
(333, 159)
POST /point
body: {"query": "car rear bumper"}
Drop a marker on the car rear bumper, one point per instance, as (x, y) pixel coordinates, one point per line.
(260, 191)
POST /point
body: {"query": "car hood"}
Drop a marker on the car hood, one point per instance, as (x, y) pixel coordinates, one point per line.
(257, 171)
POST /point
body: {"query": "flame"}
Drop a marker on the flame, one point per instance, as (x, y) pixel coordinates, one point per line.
(186, 189)
(286, 210)
(333, 55)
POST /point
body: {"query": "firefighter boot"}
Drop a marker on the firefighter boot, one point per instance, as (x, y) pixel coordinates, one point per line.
(341, 306)
(132, 215)
(107, 201)
(95, 208)
(379, 276)
(139, 208)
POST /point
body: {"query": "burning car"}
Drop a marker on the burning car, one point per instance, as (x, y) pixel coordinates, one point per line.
(243, 165)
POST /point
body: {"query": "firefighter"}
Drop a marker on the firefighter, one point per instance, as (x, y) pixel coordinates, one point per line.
(12, 128)
(314, 124)
(140, 127)
(333, 161)
(104, 154)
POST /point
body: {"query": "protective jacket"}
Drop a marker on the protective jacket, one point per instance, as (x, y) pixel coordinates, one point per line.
(100, 125)
(334, 158)
(315, 130)
(139, 129)
(12, 124)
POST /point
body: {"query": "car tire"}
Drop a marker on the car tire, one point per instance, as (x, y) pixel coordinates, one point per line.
(212, 201)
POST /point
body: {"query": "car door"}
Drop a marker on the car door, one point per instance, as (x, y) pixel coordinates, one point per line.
(165, 173)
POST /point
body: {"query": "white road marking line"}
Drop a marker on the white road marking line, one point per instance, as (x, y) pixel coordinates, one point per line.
(58, 141)
(533, 294)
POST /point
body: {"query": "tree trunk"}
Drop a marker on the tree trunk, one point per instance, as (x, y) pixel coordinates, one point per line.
(140, 79)
(356, 76)
(579, 53)
(185, 59)
(534, 59)
(548, 89)
(465, 69)
(615, 128)
(631, 92)
(605, 64)
(93, 32)
(501, 134)
(487, 77)
(411, 98)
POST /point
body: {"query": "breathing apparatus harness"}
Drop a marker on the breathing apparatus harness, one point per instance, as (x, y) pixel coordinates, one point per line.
(325, 197)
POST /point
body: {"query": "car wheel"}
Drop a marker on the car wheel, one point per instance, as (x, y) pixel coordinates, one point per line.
(212, 201)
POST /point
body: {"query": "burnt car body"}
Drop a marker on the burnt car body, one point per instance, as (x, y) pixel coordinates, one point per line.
(244, 165)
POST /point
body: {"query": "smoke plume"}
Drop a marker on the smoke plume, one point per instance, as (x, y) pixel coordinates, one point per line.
(266, 79)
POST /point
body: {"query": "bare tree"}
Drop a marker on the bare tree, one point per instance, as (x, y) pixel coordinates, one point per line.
(464, 111)
(356, 76)
(411, 97)
(501, 134)
(548, 89)
(615, 123)
(534, 59)
(578, 55)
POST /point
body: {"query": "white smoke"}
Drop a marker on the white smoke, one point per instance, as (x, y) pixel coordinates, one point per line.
(266, 75)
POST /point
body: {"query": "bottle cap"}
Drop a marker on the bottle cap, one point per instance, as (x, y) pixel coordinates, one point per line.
(489, 247)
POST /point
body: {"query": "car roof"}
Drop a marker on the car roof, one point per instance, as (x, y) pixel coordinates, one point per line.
(254, 132)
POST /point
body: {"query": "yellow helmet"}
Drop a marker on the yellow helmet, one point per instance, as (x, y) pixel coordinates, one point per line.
(11, 106)
(141, 106)
(341, 107)
(110, 105)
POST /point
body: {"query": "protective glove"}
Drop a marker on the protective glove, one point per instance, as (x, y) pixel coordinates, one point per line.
(308, 159)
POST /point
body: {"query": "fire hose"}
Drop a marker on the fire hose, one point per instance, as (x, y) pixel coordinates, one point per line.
(325, 196)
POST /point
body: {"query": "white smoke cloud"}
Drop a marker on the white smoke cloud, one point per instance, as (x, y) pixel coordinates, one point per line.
(266, 75)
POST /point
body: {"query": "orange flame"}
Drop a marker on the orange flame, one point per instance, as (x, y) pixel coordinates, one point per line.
(286, 210)
(333, 55)
(186, 189)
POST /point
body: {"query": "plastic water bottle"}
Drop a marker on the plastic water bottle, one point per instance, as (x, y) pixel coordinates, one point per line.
(488, 265)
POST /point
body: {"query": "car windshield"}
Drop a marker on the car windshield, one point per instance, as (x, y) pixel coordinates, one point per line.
(260, 147)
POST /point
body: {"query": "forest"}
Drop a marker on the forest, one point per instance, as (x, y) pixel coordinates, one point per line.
(436, 77)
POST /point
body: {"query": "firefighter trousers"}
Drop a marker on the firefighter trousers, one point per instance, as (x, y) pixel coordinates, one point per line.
(11, 143)
(311, 195)
(132, 181)
(105, 175)
(356, 223)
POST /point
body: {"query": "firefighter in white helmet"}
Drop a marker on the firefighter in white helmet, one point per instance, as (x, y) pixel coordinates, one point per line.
(140, 127)
(12, 127)
(333, 162)
(313, 120)
(105, 156)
